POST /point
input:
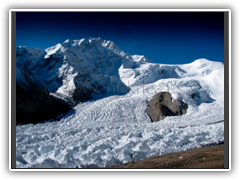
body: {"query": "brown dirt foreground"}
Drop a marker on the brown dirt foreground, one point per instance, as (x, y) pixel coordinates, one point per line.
(205, 157)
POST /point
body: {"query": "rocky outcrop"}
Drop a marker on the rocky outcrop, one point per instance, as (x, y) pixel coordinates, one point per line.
(162, 105)
(84, 87)
(34, 104)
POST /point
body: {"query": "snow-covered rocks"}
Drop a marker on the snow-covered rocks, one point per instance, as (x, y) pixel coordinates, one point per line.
(75, 64)
(114, 128)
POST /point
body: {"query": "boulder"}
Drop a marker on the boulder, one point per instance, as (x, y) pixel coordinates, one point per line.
(162, 105)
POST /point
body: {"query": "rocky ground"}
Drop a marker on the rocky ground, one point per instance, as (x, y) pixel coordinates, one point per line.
(205, 157)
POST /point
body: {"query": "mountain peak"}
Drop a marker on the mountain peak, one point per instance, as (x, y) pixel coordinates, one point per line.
(121, 87)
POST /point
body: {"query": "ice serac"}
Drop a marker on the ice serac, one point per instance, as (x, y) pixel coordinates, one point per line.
(116, 129)
(75, 70)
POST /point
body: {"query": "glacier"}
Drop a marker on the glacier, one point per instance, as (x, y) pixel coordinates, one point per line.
(113, 128)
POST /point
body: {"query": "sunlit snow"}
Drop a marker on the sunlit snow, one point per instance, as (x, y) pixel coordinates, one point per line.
(115, 129)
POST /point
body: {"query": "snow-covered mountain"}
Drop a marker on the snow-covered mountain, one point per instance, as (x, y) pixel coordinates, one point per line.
(69, 67)
(113, 128)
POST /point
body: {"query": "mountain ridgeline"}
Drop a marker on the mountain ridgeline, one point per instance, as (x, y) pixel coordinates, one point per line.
(66, 74)
(105, 107)
(51, 81)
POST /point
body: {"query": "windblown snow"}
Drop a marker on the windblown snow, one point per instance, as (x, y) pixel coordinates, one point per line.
(112, 129)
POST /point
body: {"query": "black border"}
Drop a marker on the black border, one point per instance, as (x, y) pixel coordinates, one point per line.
(13, 90)
(226, 90)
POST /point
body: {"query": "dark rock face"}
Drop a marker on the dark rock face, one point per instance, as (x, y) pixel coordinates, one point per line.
(82, 93)
(34, 104)
(161, 105)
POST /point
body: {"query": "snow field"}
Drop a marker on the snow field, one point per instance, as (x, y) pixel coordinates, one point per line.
(114, 130)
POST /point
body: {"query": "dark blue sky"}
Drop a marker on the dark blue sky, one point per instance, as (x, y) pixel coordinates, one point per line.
(164, 37)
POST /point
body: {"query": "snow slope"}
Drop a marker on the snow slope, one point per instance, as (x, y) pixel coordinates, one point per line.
(77, 63)
(113, 129)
